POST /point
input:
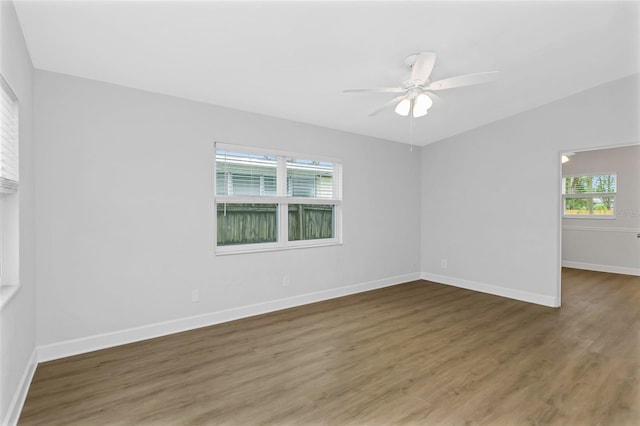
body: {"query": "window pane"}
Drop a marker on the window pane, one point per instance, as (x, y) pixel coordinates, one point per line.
(311, 221)
(9, 163)
(240, 173)
(596, 206)
(587, 184)
(312, 179)
(246, 223)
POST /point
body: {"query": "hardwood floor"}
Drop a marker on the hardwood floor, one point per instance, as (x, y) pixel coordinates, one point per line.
(417, 353)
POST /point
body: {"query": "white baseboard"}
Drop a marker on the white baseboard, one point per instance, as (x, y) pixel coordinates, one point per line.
(17, 402)
(525, 296)
(601, 268)
(121, 337)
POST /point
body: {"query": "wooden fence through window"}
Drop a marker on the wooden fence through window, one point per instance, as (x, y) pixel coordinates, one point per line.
(257, 223)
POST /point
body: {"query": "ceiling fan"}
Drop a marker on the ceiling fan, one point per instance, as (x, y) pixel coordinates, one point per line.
(417, 96)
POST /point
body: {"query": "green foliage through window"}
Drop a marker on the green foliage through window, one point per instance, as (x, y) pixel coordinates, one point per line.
(590, 184)
(592, 195)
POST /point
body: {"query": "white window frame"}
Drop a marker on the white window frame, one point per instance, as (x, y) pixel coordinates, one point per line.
(9, 211)
(282, 201)
(589, 195)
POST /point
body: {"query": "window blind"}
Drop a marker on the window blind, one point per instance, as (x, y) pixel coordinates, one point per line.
(310, 179)
(8, 139)
(594, 184)
(240, 173)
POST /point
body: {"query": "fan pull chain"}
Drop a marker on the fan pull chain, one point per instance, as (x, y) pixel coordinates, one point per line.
(412, 126)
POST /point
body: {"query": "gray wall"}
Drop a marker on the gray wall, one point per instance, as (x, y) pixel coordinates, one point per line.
(125, 210)
(491, 198)
(606, 244)
(17, 318)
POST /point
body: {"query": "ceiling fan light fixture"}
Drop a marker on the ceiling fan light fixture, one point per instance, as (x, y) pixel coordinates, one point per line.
(403, 107)
(421, 105)
(566, 155)
(419, 112)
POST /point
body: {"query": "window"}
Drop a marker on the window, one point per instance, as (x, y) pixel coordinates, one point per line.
(591, 196)
(271, 200)
(9, 261)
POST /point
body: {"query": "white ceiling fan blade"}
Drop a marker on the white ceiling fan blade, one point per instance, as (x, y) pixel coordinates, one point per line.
(421, 69)
(393, 102)
(380, 90)
(464, 80)
(435, 98)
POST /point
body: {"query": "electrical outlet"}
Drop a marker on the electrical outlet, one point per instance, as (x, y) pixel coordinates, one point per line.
(195, 295)
(285, 281)
(443, 264)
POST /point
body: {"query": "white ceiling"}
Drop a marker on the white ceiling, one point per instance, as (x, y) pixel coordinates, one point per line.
(293, 59)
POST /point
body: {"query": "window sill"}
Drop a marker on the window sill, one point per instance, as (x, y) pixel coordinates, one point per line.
(597, 217)
(7, 292)
(237, 250)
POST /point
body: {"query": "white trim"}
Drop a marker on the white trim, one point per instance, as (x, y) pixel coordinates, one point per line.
(273, 199)
(559, 212)
(121, 337)
(590, 216)
(267, 247)
(625, 270)
(599, 148)
(7, 292)
(17, 402)
(525, 296)
(600, 229)
(592, 174)
(251, 149)
(247, 248)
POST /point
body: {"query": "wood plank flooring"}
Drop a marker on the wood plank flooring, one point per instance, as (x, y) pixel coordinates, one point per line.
(417, 353)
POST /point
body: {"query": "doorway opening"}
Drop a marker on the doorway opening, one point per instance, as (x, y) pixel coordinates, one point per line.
(600, 210)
